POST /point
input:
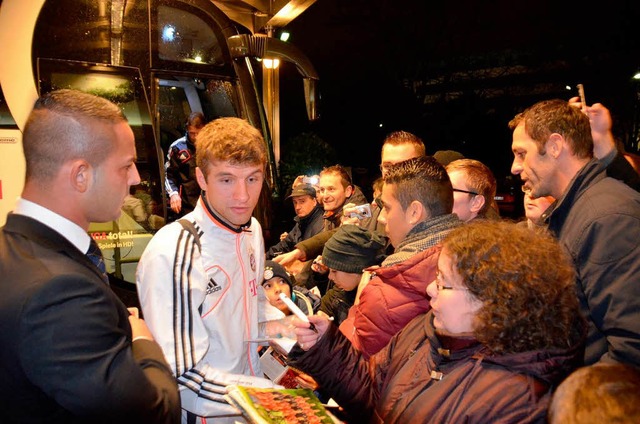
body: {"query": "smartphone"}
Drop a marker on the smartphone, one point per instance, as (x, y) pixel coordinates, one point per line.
(583, 100)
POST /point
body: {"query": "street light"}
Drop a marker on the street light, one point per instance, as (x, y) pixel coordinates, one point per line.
(271, 63)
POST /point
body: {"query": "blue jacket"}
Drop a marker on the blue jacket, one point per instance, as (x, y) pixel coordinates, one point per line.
(598, 221)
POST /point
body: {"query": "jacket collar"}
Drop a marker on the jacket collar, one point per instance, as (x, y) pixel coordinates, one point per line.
(589, 174)
(305, 219)
(220, 220)
(47, 237)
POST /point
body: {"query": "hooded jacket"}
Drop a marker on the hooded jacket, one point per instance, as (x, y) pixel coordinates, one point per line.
(427, 378)
(180, 170)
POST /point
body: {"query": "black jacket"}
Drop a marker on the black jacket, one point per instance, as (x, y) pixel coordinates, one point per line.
(67, 354)
(598, 221)
(304, 228)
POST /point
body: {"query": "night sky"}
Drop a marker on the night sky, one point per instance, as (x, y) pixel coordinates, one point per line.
(368, 52)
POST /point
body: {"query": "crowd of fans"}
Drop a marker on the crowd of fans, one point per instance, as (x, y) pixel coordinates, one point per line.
(421, 304)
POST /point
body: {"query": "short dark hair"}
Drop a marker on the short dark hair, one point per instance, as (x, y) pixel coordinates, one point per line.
(196, 119)
(557, 116)
(341, 171)
(422, 179)
(61, 126)
(404, 137)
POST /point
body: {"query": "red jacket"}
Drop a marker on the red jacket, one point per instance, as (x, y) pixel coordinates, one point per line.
(395, 296)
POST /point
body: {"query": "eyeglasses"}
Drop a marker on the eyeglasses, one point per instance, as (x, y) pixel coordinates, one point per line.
(440, 286)
(465, 191)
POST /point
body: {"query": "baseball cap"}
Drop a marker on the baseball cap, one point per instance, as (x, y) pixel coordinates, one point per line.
(303, 190)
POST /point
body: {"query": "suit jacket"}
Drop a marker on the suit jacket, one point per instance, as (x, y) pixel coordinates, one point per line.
(67, 354)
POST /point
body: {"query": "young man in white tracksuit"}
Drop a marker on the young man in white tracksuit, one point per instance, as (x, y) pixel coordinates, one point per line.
(198, 285)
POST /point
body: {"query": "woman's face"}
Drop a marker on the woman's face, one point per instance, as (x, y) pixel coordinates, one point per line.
(454, 308)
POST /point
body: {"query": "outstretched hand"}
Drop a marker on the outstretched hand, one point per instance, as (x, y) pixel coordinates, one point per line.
(176, 203)
(288, 258)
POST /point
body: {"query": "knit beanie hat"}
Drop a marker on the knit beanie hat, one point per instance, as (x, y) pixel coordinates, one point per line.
(274, 269)
(352, 249)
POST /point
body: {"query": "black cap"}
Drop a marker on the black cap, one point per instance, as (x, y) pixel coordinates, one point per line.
(352, 249)
(274, 269)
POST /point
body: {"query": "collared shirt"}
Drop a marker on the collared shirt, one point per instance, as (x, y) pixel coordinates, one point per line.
(69, 230)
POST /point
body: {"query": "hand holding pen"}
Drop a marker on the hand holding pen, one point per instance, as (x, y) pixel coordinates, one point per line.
(297, 311)
(309, 329)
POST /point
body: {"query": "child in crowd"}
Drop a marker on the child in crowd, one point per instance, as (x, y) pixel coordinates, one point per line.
(347, 253)
(277, 280)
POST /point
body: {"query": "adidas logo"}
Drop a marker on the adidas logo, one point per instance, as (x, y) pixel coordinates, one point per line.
(213, 287)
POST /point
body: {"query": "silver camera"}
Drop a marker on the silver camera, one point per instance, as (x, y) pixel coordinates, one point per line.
(362, 212)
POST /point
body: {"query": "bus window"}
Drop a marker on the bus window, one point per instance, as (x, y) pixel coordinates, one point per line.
(183, 36)
(113, 32)
(122, 241)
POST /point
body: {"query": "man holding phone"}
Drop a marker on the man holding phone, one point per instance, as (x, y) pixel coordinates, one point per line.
(398, 146)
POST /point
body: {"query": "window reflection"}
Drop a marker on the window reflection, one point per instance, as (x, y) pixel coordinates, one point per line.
(185, 37)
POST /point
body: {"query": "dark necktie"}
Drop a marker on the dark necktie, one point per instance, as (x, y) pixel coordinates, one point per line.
(95, 255)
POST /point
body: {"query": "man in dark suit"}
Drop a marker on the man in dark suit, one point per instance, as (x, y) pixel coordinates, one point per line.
(71, 351)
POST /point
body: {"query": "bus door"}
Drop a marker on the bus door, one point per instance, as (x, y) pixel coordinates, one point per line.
(12, 164)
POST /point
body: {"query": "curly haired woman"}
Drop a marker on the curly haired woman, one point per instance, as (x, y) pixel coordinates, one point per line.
(503, 331)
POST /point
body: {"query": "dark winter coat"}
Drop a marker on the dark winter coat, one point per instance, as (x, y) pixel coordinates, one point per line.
(304, 228)
(420, 377)
(598, 221)
(336, 303)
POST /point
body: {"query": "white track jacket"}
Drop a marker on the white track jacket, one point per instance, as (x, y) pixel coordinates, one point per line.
(202, 306)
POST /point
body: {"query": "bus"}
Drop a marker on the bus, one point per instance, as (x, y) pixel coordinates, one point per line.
(159, 60)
